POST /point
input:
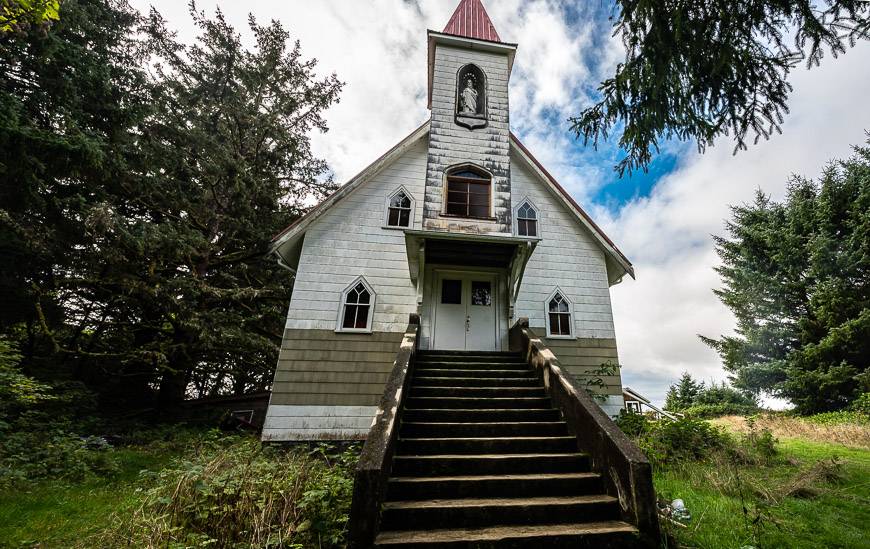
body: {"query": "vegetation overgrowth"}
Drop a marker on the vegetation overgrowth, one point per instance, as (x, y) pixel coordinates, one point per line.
(744, 486)
(188, 488)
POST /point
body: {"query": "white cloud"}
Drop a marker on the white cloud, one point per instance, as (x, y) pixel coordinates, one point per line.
(379, 49)
(668, 234)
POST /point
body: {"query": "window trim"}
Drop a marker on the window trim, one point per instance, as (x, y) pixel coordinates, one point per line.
(339, 321)
(515, 218)
(446, 186)
(570, 303)
(389, 197)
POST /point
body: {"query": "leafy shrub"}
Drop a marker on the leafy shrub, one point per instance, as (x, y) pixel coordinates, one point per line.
(861, 404)
(631, 423)
(756, 446)
(671, 442)
(234, 492)
(33, 447)
(707, 411)
(838, 418)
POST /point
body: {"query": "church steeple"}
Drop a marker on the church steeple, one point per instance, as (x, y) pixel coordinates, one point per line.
(469, 129)
(471, 21)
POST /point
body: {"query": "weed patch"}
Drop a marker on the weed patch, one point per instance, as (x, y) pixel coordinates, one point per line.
(233, 491)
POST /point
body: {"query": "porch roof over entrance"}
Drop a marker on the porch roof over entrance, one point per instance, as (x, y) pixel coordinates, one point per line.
(468, 250)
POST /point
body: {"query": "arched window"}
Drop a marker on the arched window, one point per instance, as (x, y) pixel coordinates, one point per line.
(527, 220)
(399, 209)
(559, 317)
(468, 192)
(357, 307)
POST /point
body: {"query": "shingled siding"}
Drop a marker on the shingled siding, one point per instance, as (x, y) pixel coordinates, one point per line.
(451, 144)
(582, 355)
(324, 367)
(327, 385)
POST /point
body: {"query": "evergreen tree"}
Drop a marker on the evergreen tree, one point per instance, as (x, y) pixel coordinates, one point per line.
(682, 394)
(68, 99)
(143, 180)
(697, 70)
(224, 164)
(797, 277)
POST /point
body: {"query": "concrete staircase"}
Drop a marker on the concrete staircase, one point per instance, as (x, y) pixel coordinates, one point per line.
(484, 460)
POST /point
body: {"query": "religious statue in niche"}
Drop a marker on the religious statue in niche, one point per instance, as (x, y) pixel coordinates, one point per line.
(471, 97)
(468, 97)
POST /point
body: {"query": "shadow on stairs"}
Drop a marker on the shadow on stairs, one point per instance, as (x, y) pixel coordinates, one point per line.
(483, 459)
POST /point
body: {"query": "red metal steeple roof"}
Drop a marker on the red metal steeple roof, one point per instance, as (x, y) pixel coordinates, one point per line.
(471, 21)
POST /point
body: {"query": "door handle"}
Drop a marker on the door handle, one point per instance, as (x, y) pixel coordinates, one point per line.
(467, 324)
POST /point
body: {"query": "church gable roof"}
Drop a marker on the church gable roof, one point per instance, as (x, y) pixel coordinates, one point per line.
(471, 21)
(297, 228)
(610, 249)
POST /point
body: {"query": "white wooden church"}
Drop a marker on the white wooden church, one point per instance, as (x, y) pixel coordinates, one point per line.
(457, 222)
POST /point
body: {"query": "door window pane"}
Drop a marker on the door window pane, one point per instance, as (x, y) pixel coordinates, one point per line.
(481, 293)
(451, 292)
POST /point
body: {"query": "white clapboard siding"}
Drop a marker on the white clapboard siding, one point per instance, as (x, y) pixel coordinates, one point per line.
(286, 423)
(567, 257)
(350, 240)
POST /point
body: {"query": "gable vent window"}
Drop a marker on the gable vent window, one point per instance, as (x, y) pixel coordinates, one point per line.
(357, 306)
(468, 193)
(399, 214)
(558, 315)
(527, 220)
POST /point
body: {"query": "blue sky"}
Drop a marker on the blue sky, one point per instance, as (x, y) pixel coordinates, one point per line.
(662, 219)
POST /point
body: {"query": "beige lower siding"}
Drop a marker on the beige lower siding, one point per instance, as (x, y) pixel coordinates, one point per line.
(583, 355)
(327, 384)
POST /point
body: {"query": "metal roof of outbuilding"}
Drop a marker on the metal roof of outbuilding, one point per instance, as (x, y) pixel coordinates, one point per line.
(471, 21)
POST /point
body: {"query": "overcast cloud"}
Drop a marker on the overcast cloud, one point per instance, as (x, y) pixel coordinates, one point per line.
(378, 48)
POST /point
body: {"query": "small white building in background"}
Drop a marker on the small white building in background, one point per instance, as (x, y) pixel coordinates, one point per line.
(458, 222)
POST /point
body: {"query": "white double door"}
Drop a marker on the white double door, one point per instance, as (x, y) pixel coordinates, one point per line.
(466, 308)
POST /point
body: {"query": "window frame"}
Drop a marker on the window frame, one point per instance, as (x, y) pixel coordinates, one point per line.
(449, 177)
(516, 218)
(389, 198)
(342, 304)
(572, 325)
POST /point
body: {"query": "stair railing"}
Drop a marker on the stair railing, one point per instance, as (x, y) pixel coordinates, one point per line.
(626, 472)
(376, 458)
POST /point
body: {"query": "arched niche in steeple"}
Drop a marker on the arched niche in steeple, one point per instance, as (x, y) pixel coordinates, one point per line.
(471, 97)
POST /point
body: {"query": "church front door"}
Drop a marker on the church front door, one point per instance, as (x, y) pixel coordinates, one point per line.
(465, 311)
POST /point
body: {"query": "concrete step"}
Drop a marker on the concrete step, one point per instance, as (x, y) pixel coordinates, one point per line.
(468, 374)
(416, 402)
(480, 415)
(464, 381)
(467, 354)
(489, 464)
(482, 512)
(474, 364)
(478, 392)
(588, 535)
(412, 429)
(493, 486)
(487, 445)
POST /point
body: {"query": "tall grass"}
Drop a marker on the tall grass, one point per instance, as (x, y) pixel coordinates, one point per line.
(848, 429)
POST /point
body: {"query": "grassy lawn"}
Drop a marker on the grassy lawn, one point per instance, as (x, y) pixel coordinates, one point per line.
(58, 514)
(792, 503)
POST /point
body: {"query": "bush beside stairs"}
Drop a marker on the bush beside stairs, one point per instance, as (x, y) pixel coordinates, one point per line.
(485, 460)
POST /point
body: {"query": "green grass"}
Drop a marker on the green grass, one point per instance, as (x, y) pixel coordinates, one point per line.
(835, 515)
(58, 514)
